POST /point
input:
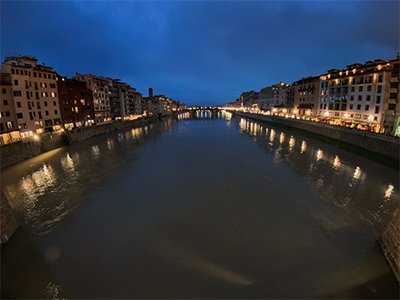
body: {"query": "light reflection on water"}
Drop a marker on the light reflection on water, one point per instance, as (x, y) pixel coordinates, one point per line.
(199, 210)
(341, 185)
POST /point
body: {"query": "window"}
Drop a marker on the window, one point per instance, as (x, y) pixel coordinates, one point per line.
(392, 107)
(53, 94)
(10, 125)
(358, 107)
(19, 115)
(52, 85)
(368, 97)
(44, 94)
(359, 97)
(15, 82)
(44, 76)
(377, 109)
(369, 88)
(17, 94)
(351, 106)
(379, 89)
(47, 112)
(38, 105)
(5, 102)
(7, 113)
(40, 114)
(12, 71)
(380, 78)
(54, 103)
(55, 112)
(352, 98)
(30, 115)
(4, 91)
(353, 89)
(37, 95)
(378, 99)
(45, 103)
(367, 107)
(17, 71)
(18, 104)
(360, 88)
(40, 75)
(34, 74)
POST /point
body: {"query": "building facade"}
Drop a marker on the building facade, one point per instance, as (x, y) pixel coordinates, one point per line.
(355, 95)
(306, 91)
(101, 98)
(76, 103)
(272, 96)
(391, 112)
(9, 131)
(35, 95)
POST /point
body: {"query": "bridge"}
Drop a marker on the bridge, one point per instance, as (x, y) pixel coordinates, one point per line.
(193, 111)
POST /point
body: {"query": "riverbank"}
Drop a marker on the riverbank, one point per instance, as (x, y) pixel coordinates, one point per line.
(380, 148)
(16, 152)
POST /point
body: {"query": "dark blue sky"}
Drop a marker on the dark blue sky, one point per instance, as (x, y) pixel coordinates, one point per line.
(200, 52)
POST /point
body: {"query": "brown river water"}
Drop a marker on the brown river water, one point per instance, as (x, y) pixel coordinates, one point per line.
(199, 208)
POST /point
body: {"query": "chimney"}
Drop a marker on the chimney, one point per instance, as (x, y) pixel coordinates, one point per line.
(150, 93)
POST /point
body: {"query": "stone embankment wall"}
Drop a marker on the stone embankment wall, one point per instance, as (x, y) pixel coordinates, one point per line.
(388, 146)
(8, 221)
(390, 242)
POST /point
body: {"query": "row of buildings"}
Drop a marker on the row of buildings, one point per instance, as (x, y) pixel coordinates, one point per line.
(36, 99)
(363, 95)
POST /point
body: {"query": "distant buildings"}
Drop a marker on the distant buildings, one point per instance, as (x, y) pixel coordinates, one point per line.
(362, 95)
(35, 99)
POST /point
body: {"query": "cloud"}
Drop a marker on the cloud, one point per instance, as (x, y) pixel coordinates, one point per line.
(196, 50)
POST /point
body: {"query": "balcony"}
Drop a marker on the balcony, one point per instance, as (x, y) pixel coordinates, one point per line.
(393, 79)
(392, 101)
(393, 91)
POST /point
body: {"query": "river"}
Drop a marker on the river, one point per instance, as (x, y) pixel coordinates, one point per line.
(199, 208)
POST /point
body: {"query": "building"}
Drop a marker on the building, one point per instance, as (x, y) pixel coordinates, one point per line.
(306, 91)
(272, 96)
(289, 98)
(9, 131)
(354, 96)
(101, 98)
(391, 109)
(249, 99)
(35, 95)
(76, 103)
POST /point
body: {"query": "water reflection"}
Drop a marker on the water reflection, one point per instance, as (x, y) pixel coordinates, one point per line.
(303, 146)
(200, 211)
(336, 181)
